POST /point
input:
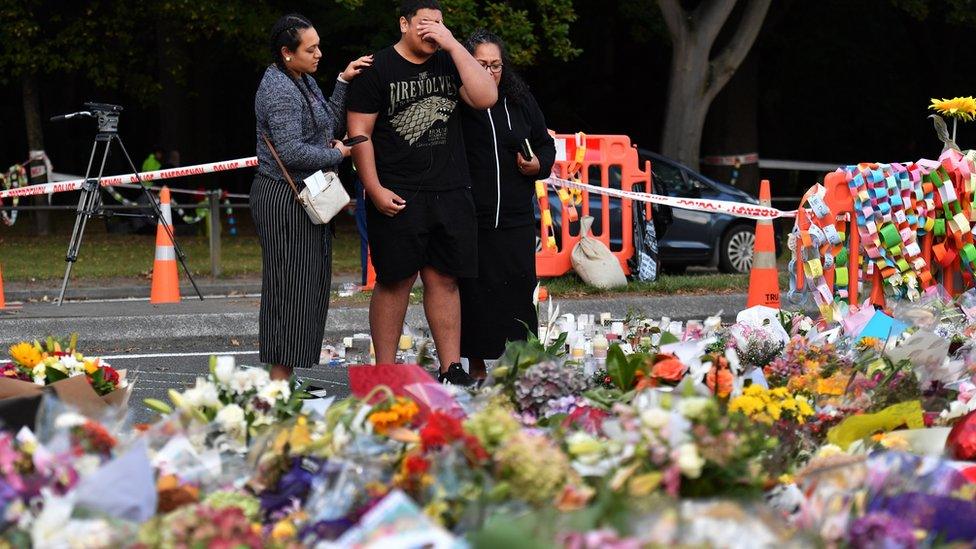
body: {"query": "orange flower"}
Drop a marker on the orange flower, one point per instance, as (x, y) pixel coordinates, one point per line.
(670, 369)
(724, 385)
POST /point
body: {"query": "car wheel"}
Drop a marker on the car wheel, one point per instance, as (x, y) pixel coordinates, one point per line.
(735, 255)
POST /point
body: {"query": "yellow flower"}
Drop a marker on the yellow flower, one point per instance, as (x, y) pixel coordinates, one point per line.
(91, 366)
(833, 385)
(283, 530)
(957, 107)
(895, 442)
(868, 343)
(399, 413)
(25, 354)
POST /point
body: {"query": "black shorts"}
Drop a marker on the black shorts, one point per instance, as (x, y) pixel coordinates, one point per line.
(437, 229)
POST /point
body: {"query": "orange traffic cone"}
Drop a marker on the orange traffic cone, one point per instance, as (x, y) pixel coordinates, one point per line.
(543, 293)
(3, 303)
(764, 278)
(370, 272)
(165, 279)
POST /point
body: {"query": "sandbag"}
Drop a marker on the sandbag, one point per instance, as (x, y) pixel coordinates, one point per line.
(594, 262)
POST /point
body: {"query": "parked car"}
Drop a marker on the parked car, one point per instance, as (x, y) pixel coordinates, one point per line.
(685, 237)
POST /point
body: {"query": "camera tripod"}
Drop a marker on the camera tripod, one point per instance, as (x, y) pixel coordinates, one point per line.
(90, 202)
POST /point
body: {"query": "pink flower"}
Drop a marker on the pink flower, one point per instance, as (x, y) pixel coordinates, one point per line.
(966, 391)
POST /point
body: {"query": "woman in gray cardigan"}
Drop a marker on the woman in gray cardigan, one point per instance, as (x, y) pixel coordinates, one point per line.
(296, 255)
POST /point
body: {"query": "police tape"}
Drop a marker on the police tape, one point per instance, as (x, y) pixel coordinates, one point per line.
(171, 173)
(738, 209)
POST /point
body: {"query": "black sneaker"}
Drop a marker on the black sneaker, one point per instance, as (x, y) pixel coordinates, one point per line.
(455, 375)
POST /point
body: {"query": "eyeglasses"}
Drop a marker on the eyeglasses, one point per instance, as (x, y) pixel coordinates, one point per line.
(494, 69)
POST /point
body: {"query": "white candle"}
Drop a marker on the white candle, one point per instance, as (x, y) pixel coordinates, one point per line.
(617, 328)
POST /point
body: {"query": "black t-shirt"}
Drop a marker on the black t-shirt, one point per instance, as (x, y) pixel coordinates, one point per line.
(417, 137)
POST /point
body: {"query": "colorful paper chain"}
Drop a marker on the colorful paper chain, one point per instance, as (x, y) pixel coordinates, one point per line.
(15, 177)
(569, 198)
(202, 209)
(895, 206)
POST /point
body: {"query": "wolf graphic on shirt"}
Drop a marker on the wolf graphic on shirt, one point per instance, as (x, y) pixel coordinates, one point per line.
(416, 119)
(416, 105)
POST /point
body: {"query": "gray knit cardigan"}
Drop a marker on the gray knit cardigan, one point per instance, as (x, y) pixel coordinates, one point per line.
(283, 114)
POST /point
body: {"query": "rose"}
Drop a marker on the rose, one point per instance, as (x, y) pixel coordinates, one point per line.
(109, 374)
(670, 369)
(719, 381)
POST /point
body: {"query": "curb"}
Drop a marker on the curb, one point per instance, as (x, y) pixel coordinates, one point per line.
(115, 326)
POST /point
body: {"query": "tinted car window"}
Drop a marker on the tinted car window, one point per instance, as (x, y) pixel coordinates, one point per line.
(668, 179)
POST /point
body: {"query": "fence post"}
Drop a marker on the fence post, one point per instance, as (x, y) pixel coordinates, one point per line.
(214, 220)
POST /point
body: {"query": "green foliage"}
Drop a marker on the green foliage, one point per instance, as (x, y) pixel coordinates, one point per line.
(527, 27)
(956, 12)
(621, 369)
(121, 43)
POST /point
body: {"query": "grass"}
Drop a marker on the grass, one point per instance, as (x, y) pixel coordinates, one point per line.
(704, 283)
(25, 257)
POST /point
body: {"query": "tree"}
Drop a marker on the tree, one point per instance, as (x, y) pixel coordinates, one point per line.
(83, 37)
(528, 27)
(696, 75)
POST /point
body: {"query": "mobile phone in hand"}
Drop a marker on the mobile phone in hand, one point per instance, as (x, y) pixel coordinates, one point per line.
(355, 140)
(527, 150)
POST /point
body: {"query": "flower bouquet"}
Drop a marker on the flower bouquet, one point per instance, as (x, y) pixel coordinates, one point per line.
(240, 403)
(88, 384)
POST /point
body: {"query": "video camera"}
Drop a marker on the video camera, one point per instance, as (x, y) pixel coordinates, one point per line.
(106, 113)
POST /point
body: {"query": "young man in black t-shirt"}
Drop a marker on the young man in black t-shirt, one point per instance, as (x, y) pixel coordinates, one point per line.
(420, 214)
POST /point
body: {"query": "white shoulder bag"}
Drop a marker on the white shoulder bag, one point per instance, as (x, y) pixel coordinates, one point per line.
(323, 195)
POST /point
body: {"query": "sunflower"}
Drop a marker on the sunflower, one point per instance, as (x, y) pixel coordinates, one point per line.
(957, 107)
(25, 354)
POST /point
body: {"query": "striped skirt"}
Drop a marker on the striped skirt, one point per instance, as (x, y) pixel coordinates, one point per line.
(296, 276)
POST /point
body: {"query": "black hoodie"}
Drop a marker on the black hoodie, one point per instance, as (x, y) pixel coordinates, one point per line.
(504, 197)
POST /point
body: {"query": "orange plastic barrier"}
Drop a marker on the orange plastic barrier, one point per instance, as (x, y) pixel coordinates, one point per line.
(610, 161)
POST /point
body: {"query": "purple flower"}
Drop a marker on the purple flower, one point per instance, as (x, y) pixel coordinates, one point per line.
(293, 486)
(881, 531)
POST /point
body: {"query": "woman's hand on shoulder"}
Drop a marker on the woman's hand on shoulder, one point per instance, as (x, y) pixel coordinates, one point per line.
(355, 67)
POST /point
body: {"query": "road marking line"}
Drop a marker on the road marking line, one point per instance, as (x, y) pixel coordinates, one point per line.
(172, 355)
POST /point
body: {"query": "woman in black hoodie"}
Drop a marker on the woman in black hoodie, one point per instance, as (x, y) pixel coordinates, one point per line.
(496, 304)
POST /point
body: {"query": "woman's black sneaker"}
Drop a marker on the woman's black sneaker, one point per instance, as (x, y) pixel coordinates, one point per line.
(455, 375)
